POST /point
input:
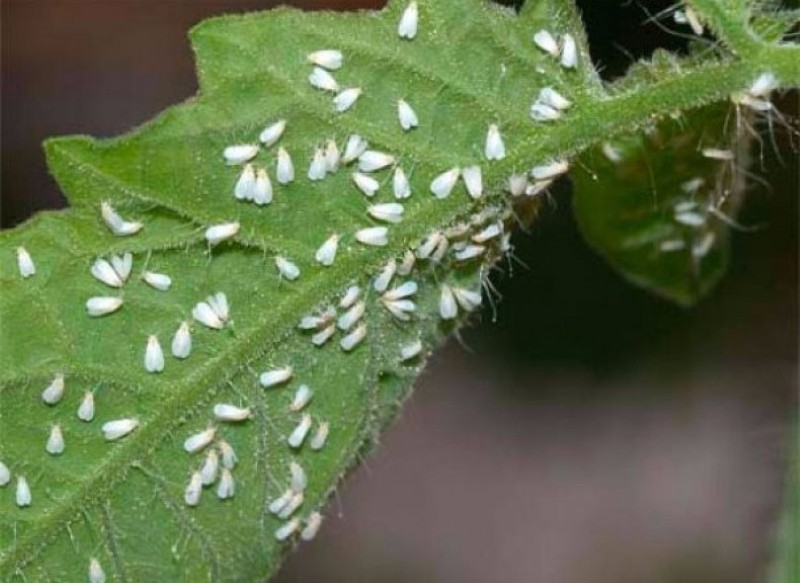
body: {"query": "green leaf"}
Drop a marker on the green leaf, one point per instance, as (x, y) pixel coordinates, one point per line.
(122, 502)
(629, 191)
(630, 196)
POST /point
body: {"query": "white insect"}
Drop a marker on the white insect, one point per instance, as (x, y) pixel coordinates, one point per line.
(25, 263)
(764, 84)
(299, 478)
(543, 112)
(182, 341)
(105, 273)
(390, 212)
(227, 454)
(191, 495)
(54, 391)
(212, 313)
(226, 487)
(351, 316)
(285, 170)
(441, 250)
(101, 305)
(372, 160)
(5, 475)
(355, 146)
(537, 187)
(689, 16)
(246, 183)
(346, 98)
(354, 338)
(457, 231)
(448, 308)
(685, 205)
(210, 468)
(321, 79)
(505, 244)
(299, 433)
(404, 290)
(611, 153)
(332, 156)
(517, 183)
(122, 265)
(350, 296)
(690, 219)
(318, 167)
(153, 355)
(295, 502)
(693, 185)
(494, 149)
(262, 191)
(317, 321)
(366, 184)
(329, 59)
(569, 52)
(96, 573)
(412, 350)
(323, 335)
(301, 398)
(116, 224)
(373, 236)
(275, 377)
(702, 247)
(473, 180)
(719, 154)
(55, 443)
(406, 115)
(443, 184)
(272, 133)
(385, 276)
(287, 530)
(550, 170)
(409, 22)
(320, 436)
(488, 233)
(200, 440)
(23, 494)
(469, 252)
(400, 309)
(280, 503)
(554, 99)
(239, 153)
(326, 254)
(547, 42)
(468, 300)
(119, 428)
(287, 269)
(216, 234)
(159, 281)
(86, 408)
(232, 413)
(400, 184)
(313, 524)
(429, 245)
(672, 245)
(407, 264)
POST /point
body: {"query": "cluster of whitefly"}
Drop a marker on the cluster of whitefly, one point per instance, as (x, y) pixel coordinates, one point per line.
(482, 238)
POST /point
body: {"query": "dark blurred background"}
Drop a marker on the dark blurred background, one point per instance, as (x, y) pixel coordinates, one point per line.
(589, 434)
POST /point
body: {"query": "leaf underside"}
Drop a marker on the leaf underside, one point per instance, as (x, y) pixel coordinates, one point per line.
(471, 65)
(626, 206)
